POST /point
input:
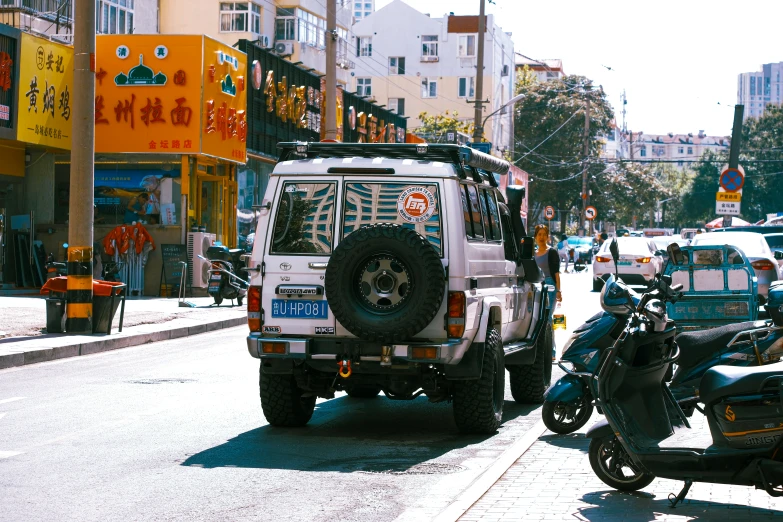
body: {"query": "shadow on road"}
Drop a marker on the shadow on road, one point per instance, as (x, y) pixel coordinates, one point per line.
(641, 507)
(571, 441)
(355, 435)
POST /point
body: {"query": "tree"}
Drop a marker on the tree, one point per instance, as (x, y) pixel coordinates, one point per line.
(434, 127)
(549, 135)
(631, 189)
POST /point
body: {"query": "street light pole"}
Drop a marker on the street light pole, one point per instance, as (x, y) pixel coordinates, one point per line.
(510, 102)
(81, 200)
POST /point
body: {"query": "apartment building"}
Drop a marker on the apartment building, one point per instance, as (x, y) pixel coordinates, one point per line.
(681, 149)
(294, 29)
(362, 9)
(413, 63)
(545, 70)
(757, 90)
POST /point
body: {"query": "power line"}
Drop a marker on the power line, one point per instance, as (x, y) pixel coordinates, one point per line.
(545, 139)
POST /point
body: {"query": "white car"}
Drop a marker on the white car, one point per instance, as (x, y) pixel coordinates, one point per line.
(639, 261)
(397, 268)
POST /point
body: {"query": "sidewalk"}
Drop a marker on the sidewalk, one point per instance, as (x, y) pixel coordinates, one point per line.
(23, 338)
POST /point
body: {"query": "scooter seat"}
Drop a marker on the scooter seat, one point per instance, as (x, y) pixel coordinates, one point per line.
(236, 251)
(701, 344)
(723, 381)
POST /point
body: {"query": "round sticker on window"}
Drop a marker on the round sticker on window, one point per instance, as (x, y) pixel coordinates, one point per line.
(416, 204)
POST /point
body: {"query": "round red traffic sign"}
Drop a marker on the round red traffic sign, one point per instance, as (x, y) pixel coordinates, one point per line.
(731, 180)
(591, 212)
(549, 212)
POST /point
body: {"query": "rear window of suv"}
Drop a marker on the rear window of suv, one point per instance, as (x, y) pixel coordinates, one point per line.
(414, 206)
(304, 222)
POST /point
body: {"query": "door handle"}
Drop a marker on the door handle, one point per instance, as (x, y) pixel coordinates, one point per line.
(317, 266)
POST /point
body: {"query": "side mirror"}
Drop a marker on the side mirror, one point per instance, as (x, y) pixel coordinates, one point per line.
(675, 254)
(526, 245)
(660, 252)
(614, 250)
(778, 255)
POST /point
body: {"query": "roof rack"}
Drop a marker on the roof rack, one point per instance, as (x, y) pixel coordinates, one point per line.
(456, 154)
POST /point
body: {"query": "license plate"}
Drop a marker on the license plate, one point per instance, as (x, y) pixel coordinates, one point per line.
(624, 263)
(215, 277)
(300, 309)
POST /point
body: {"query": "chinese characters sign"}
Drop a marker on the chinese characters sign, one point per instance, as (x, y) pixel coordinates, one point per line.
(9, 78)
(147, 93)
(44, 90)
(224, 105)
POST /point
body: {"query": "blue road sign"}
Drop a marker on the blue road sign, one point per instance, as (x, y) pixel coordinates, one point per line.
(732, 180)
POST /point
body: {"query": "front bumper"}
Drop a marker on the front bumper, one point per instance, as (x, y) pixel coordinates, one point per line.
(331, 349)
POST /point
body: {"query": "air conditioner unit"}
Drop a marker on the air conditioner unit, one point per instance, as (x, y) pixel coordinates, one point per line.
(264, 41)
(284, 48)
(429, 58)
(198, 269)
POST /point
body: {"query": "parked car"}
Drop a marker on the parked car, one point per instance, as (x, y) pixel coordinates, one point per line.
(775, 242)
(754, 246)
(583, 248)
(761, 229)
(639, 261)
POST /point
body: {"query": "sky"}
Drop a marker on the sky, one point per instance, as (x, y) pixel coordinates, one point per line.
(677, 61)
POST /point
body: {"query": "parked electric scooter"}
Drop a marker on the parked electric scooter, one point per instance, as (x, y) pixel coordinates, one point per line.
(569, 404)
(636, 442)
(224, 283)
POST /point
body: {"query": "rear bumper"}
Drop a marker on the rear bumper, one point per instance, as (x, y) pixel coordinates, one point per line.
(330, 349)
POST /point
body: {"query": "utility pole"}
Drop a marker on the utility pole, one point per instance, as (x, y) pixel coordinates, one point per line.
(630, 143)
(80, 213)
(478, 103)
(585, 195)
(734, 150)
(330, 111)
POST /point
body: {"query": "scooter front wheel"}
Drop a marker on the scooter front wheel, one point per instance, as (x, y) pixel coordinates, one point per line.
(611, 463)
(564, 418)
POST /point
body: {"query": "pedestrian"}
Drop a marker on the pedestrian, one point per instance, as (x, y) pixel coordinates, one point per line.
(564, 250)
(548, 260)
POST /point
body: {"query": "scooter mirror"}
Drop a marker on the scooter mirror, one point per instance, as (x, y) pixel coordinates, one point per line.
(614, 250)
(675, 254)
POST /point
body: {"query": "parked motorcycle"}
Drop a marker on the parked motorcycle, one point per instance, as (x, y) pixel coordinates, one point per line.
(224, 283)
(635, 443)
(569, 404)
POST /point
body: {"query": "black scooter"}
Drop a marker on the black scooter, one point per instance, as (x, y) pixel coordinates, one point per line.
(224, 283)
(637, 442)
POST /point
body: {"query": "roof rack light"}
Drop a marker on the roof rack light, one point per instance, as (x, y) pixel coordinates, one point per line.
(421, 148)
(301, 147)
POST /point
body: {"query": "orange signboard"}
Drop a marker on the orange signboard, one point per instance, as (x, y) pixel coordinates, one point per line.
(147, 93)
(224, 103)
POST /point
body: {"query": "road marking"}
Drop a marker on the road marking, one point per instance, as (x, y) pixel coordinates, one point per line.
(12, 399)
(7, 454)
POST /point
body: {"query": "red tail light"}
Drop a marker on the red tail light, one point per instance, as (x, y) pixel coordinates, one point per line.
(602, 259)
(763, 264)
(216, 265)
(254, 308)
(456, 314)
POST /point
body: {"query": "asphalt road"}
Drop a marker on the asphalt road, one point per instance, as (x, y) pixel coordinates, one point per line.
(174, 430)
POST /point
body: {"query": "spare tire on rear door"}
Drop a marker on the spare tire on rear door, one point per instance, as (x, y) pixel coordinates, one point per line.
(385, 283)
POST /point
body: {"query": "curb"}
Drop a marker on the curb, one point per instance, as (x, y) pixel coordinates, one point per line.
(486, 480)
(38, 355)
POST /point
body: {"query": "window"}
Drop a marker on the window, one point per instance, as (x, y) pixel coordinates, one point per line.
(466, 87)
(285, 28)
(493, 231)
(233, 17)
(364, 44)
(305, 219)
(643, 151)
(364, 86)
(466, 47)
(397, 65)
(114, 16)
(429, 45)
(370, 203)
(690, 150)
(397, 106)
(680, 163)
(294, 24)
(429, 88)
(472, 212)
(680, 150)
(510, 242)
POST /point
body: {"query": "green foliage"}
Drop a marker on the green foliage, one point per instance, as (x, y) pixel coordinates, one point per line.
(627, 190)
(762, 159)
(435, 126)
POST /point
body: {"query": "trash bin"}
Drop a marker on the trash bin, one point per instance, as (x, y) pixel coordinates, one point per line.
(55, 315)
(107, 297)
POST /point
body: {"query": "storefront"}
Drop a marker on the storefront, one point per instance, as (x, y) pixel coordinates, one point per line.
(284, 103)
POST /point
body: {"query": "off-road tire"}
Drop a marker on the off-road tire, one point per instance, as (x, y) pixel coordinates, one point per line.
(282, 401)
(599, 450)
(424, 295)
(363, 392)
(598, 284)
(478, 404)
(552, 412)
(530, 381)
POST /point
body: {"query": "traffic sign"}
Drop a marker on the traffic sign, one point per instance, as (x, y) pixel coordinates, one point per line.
(728, 196)
(591, 212)
(732, 180)
(549, 212)
(726, 208)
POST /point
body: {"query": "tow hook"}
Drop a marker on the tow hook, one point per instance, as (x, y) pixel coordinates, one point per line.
(345, 368)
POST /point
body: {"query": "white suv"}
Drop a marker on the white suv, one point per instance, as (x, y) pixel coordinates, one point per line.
(395, 268)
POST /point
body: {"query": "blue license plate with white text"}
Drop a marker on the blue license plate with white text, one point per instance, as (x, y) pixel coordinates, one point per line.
(300, 309)
(624, 263)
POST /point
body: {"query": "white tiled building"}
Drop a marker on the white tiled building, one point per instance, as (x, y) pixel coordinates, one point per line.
(413, 63)
(756, 90)
(361, 9)
(545, 70)
(681, 149)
